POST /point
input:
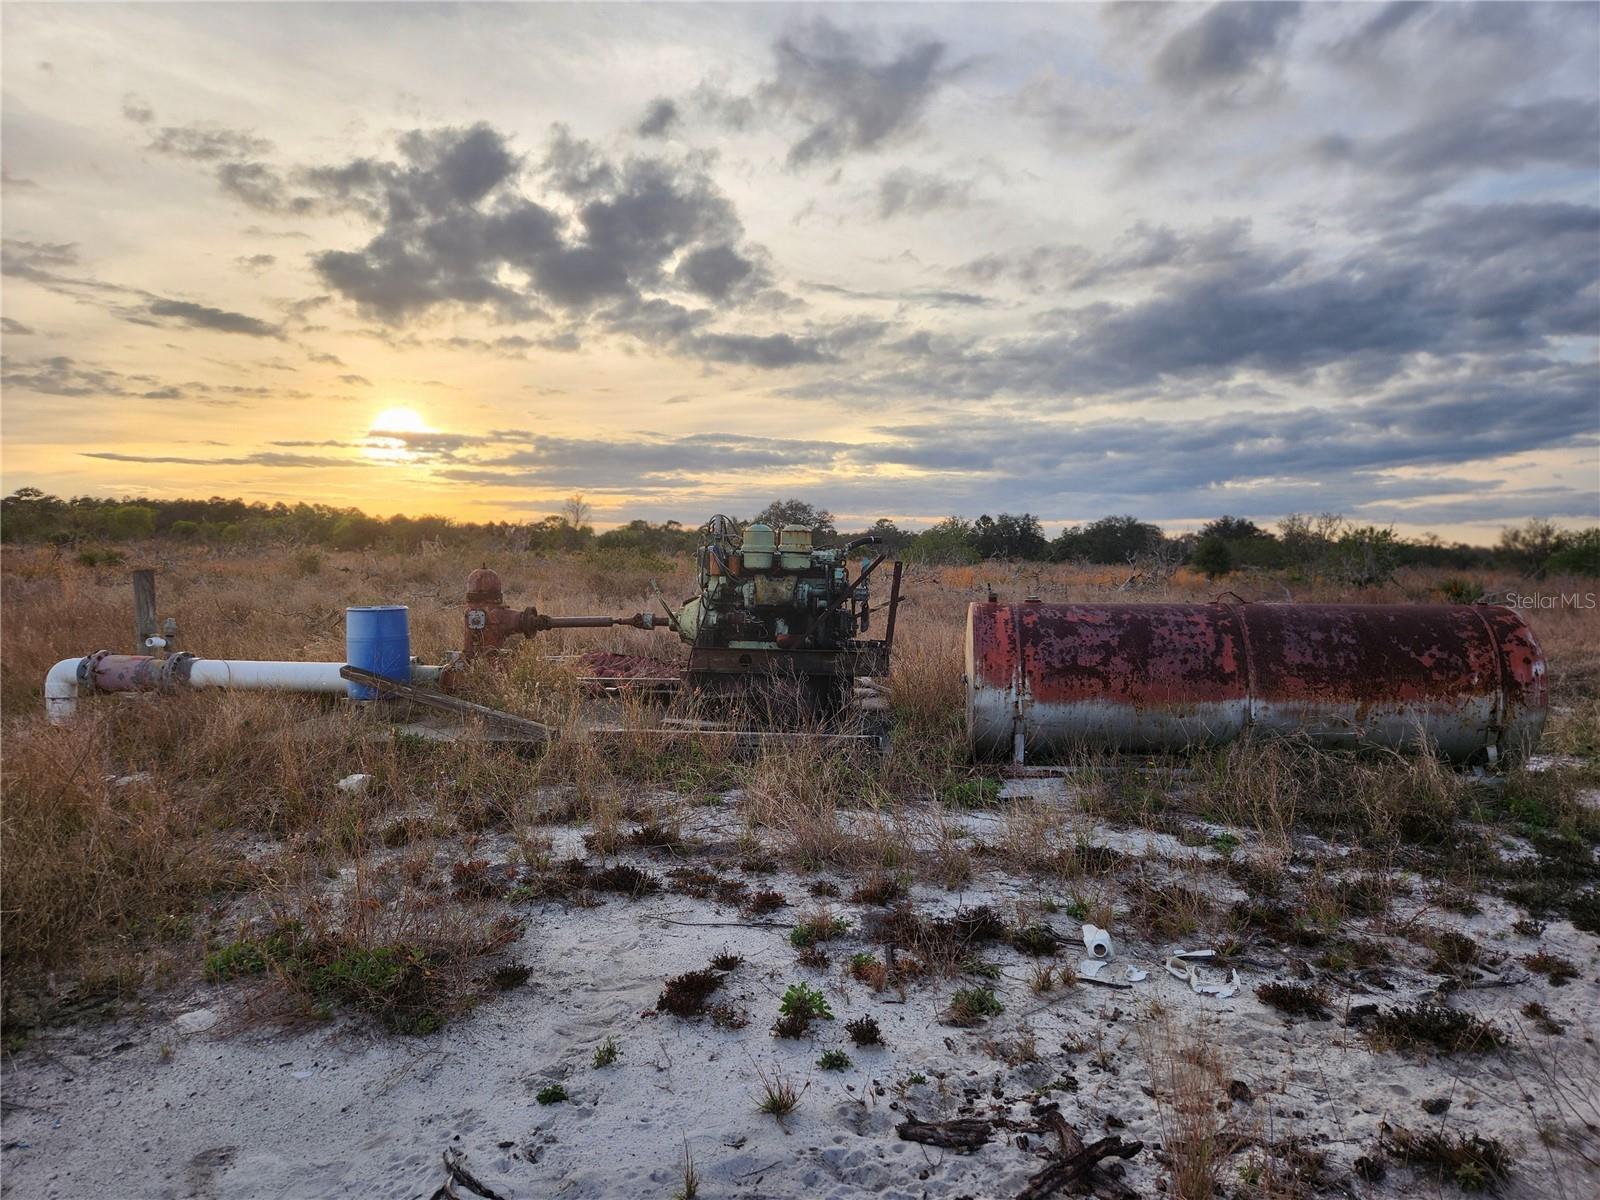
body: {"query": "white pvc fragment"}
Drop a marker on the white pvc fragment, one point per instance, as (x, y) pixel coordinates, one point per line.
(1097, 942)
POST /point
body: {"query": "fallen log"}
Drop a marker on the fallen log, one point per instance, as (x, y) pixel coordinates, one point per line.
(1076, 1164)
(964, 1134)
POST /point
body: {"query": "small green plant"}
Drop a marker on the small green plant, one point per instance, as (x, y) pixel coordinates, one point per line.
(801, 1000)
(915, 1078)
(235, 959)
(606, 1053)
(834, 1060)
(779, 1096)
(1225, 843)
(551, 1093)
(965, 792)
(972, 1006)
(817, 927)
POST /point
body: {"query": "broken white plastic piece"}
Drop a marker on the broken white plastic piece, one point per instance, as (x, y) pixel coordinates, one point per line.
(354, 783)
(1097, 942)
(1091, 968)
(1179, 969)
(1135, 975)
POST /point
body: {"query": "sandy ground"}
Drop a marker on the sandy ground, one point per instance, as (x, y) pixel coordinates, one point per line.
(187, 1100)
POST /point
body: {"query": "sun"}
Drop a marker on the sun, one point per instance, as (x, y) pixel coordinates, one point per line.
(386, 441)
(399, 420)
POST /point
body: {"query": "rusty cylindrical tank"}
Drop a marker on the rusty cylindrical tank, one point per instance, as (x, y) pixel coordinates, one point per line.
(1045, 678)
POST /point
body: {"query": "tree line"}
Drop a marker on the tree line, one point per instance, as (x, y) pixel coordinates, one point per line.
(1324, 544)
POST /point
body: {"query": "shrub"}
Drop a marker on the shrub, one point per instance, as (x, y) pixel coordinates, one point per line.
(834, 1060)
(801, 1000)
(972, 1006)
(864, 1031)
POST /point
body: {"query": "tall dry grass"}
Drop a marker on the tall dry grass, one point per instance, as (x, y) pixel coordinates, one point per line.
(89, 861)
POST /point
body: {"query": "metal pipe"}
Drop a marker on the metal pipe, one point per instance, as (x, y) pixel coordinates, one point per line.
(106, 672)
(1465, 681)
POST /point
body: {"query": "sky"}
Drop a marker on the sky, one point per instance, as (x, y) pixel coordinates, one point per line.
(898, 260)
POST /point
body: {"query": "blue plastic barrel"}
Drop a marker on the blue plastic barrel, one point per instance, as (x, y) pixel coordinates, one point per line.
(377, 638)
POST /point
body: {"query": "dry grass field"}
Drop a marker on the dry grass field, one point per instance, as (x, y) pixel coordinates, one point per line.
(604, 970)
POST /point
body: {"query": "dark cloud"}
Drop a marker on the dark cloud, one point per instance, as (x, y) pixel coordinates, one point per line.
(659, 119)
(1230, 49)
(38, 261)
(255, 263)
(904, 190)
(456, 228)
(1446, 147)
(14, 183)
(849, 97)
(931, 298)
(202, 316)
(356, 380)
(753, 350)
(1140, 249)
(715, 272)
(15, 328)
(1491, 280)
(208, 143)
(61, 375)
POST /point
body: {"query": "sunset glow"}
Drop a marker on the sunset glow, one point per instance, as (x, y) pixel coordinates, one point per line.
(909, 261)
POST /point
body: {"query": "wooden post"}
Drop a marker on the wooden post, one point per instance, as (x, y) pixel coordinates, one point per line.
(144, 608)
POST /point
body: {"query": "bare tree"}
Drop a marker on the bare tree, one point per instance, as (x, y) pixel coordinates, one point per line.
(575, 511)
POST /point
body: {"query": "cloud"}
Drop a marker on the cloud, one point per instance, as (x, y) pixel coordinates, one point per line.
(207, 143)
(255, 263)
(356, 380)
(757, 350)
(1446, 147)
(14, 328)
(1232, 49)
(137, 109)
(202, 316)
(261, 458)
(849, 98)
(15, 183)
(1140, 249)
(659, 119)
(715, 271)
(62, 375)
(912, 192)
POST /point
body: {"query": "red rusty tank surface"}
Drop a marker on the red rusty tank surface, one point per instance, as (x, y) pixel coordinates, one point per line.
(1043, 678)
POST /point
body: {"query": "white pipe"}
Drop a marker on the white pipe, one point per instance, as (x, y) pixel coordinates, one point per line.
(61, 690)
(269, 676)
(61, 683)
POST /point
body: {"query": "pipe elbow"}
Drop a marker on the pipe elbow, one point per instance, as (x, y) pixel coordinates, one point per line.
(61, 690)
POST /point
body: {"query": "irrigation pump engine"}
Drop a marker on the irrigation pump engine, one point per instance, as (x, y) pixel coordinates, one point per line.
(771, 604)
(769, 607)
